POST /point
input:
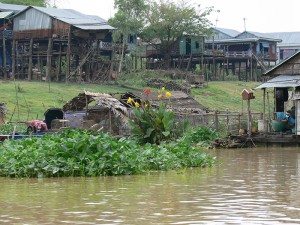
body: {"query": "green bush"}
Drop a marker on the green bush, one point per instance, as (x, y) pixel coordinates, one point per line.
(80, 153)
(202, 135)
(151, 125)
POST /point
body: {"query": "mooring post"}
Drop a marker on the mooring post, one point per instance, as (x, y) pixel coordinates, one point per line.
(249, 118)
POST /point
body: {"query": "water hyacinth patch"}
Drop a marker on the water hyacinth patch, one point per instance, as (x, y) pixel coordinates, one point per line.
(80, 153)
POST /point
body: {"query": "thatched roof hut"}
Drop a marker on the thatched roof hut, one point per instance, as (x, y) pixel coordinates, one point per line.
(107, 113)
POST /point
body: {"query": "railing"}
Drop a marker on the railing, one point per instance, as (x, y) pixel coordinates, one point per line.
(8, 34)
(109, 46)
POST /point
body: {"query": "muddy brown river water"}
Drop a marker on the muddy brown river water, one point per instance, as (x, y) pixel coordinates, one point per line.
(246, 186)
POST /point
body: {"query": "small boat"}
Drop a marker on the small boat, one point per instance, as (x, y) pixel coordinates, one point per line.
(4, 137)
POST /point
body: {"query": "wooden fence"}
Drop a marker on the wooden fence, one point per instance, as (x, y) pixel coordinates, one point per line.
(221, 121)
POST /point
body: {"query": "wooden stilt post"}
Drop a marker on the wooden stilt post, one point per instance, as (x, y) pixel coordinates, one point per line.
(68, 56)
(223, 69)
(4, 56)
(48, 67)
(30, 60)
(39, 65)
(269, 112)
(239, 75)
(13, 66)
(227, 67)
(264, 102)
(247, 70)
(58, 69)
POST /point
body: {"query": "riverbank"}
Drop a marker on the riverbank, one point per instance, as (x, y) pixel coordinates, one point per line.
(29, 100)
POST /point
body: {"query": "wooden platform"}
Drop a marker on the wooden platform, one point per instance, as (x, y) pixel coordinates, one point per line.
(281, 139)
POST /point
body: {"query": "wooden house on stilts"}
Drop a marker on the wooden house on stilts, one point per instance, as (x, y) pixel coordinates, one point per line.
(7, 11)
(245, 55)
(60, 45)
(284, 79)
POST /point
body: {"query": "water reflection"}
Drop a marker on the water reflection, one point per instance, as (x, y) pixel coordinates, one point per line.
(248, 186)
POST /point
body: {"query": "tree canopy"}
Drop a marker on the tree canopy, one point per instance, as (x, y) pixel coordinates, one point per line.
(168, 21)
(129, 20)
(160, 21)
(26, 2)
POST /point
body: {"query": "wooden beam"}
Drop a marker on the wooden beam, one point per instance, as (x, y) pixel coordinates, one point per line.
(30, 60)
(4, 56)
(48, 67)
(68, 55)
(58, 69)
(13, 66)
(264, 101)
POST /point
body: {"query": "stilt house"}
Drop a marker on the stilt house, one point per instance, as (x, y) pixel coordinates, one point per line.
(7, 11)
(60, 44)
(184, 51)
(244, 54)
(285, 80)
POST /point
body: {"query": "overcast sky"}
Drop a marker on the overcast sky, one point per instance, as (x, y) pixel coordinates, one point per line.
(260, 15)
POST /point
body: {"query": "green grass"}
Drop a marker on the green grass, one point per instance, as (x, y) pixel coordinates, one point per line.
(34, 98)
(222, 95)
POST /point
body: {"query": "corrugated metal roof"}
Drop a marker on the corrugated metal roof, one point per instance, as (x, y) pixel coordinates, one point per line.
(288, 38)
(95, 27)
(258, 35)
(232, 40)
(4, 15)
(75, 18)
(281, 81)
(12, 7)
(229, 32)
(282, 62)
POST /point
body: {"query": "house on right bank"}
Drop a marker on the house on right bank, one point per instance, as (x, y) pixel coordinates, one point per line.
(284, 79)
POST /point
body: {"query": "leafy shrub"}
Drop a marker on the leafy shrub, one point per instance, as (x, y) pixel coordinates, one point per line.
(154, 125)
(201, 135)
(80, 153)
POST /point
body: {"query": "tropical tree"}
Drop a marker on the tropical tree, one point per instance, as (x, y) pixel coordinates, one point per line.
(129, 20)
(26, 2)
(168, 21)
